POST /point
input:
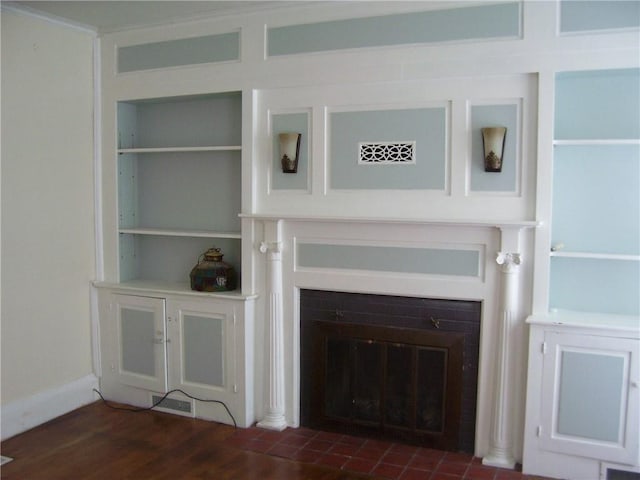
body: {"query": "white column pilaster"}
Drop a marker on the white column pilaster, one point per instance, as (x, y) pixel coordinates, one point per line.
(274, 409)
(501, 441)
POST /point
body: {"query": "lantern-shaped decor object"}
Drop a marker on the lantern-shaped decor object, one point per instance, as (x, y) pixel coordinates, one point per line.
(493, 142)
(289, 151)
(211, 274)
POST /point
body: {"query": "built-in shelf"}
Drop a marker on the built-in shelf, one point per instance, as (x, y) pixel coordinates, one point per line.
(608, 321)
(162, 287)
(225, 148)
(180, 233)
(599, 256)
(592, 142)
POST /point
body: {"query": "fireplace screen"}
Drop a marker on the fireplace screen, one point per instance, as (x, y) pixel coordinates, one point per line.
(398, 381)
(373, 367)
(380, 367)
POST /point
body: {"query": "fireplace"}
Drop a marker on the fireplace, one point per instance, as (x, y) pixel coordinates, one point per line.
(392, 367)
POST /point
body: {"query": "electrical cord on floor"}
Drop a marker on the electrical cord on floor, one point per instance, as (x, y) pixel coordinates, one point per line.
(146, 409)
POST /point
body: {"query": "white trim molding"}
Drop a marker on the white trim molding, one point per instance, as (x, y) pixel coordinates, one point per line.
(501, 450)
(26, 413)
(274, 417)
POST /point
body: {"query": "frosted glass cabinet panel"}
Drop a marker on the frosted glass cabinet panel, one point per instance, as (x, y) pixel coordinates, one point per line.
(204, 354)
(141, 341)
(581, 411)
(591, 397)
(202, 346)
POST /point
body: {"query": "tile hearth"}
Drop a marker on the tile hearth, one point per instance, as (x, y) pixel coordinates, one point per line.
(381, 459)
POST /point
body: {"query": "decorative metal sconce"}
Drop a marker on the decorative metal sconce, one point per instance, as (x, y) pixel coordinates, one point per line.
(289, 151)
(493, 141)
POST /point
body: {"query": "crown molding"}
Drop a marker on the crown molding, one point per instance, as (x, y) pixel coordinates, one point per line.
(15, 7)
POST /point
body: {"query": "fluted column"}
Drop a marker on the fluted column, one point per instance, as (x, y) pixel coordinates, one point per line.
(274, 409)
(501, 445)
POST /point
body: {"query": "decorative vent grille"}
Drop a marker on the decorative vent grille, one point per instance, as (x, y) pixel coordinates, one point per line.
(387, 153)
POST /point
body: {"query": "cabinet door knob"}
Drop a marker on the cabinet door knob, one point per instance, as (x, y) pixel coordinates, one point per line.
(634, 384)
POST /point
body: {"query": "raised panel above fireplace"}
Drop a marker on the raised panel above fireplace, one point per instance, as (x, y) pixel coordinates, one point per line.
(431, 128)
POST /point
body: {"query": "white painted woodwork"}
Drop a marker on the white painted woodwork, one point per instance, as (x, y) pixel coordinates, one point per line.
(457, 75)
(182, 359)
(576, 450)
(501, 445)
(274, 418)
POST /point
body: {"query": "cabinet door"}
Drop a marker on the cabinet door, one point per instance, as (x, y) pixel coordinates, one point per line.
(201, 347)
(590, 400)
(140, 325)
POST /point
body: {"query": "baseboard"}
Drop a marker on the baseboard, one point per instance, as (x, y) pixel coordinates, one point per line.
(26, 413)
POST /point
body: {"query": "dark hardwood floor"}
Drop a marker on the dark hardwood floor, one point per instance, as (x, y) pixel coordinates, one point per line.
(96, 442)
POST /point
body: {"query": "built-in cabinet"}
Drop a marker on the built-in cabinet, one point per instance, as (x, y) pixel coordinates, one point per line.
(153, 344)
(582, 392)
(178, 194)
(583, 395)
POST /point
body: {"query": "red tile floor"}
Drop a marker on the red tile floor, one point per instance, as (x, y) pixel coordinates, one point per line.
(381, 459)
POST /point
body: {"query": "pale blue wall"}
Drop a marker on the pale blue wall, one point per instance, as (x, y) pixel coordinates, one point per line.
(593, 285)
(602, 104)
(173, 53)
(584, 16)
(426, 126)
(596, 198)
(432, 261)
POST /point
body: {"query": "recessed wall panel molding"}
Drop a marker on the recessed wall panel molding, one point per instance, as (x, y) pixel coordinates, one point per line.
(283, 122)
(455, 260)
(444, 25)
(398, 150)
(507, 113)
(416, 138)
(223, 47)
(586, 16)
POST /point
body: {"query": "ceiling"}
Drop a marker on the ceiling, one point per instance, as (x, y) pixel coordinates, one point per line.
(110, 16)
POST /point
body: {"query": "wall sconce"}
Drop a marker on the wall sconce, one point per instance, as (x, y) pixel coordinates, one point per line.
(493, 142)
(289, 151)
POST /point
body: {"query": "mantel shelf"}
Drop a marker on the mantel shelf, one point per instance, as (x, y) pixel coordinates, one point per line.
(502, 224)
(224, 148)
(180, 233)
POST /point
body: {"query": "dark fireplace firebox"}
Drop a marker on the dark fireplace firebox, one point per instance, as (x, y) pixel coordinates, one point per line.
(390, 367)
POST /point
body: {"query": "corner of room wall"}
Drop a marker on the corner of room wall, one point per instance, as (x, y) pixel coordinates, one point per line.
(48, 238)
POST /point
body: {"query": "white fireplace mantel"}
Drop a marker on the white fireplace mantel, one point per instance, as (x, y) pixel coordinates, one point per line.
(508, 257)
